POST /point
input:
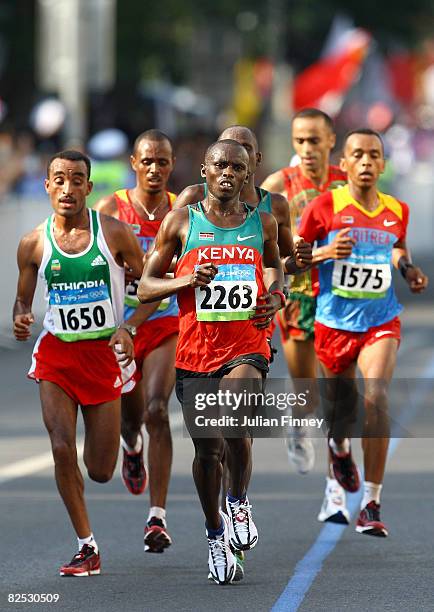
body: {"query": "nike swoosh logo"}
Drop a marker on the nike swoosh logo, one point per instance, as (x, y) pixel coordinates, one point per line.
(241, 239)
(389, 223)
(382, 333)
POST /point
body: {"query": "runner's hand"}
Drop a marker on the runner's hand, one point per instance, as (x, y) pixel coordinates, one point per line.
(123, 347)
(266, 307)
(342, 244)
(203, 275)
(22, 323)
(416, 279)
(302, 252)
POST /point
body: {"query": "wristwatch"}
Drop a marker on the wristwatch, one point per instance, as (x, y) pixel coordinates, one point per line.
(131, 329)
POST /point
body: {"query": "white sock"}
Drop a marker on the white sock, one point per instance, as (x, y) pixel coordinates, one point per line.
(136, 449)
(89, 540)
(342, 449)
(158, 512)
(371, 492)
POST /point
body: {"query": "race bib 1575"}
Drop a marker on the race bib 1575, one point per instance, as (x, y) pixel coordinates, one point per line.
(360, 280)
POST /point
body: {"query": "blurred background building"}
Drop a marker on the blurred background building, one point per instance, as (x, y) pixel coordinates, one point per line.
(70, 69)
(95, 73)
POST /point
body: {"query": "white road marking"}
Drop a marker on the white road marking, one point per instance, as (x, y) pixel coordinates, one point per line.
(31, 465)
(38, 463)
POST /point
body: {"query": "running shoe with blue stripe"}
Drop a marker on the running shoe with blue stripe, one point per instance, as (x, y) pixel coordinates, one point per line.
(239, 572)
(221, 560)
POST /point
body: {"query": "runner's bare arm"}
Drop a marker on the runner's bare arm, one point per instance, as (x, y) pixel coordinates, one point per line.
(280, 209)
(123, 244)
(295, 252)
(29, 257)
(142, 313)
(301, 260)
(271, 256)
(401, 259)
(269, 303)
(340, 248)
(400, 250)
(274, 182)
(153, 284)
(313, 226)
(132, 256)
(108, 206)
(190, 195)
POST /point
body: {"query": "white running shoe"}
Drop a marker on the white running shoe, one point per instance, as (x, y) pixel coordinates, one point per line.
(301, 451)
(239, 572)
(221, 560)
(242, 530)
(334, 509)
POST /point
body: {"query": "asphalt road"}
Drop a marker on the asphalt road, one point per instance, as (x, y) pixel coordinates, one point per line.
(297, 564)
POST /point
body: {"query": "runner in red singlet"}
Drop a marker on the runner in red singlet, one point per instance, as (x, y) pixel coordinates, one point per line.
(143, 208)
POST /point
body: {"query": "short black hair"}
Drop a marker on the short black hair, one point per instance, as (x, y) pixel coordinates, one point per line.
(225, 141)
(152, 135)
(71, 155)
(241, 127)
(314, 113)
(367, 132)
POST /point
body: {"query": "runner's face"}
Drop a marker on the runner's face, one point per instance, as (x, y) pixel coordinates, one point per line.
(225, 170)
(312, 140)
(363, 160)
(153, 162)
(68, 185)
(246, 140)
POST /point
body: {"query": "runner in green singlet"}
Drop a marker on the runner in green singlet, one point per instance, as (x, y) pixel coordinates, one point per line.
(83, 357)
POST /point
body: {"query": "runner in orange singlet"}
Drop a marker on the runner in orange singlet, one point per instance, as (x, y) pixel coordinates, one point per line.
(225, 307)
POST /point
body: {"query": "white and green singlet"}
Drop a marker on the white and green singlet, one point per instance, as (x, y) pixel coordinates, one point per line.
(84, 291)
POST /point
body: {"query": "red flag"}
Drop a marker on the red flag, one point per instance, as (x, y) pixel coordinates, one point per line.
(324, 83)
